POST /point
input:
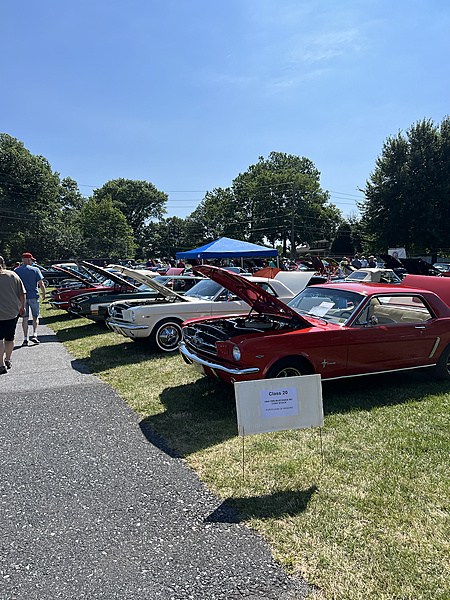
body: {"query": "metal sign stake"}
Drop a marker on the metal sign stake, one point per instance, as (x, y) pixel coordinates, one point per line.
(243, 454)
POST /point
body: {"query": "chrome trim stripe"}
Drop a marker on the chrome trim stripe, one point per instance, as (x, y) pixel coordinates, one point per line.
(126, 327)
(378, 372)
(211, 365)
(436, 344)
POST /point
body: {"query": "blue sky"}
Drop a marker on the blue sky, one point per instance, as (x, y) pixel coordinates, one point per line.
(188, 94)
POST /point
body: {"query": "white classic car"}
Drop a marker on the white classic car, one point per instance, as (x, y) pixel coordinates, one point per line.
(373, 275)
(159, 319)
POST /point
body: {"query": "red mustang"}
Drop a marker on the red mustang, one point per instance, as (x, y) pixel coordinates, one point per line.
(61, 297)
(335, 330)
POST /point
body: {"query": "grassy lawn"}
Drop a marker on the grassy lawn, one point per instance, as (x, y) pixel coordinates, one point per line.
(373, 524)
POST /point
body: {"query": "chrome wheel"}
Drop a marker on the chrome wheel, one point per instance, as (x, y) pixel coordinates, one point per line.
(289, 372)
(168, 336)
(287, 368)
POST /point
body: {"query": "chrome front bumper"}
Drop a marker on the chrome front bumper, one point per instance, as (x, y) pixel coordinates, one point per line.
(124, 328)
(57, 304)
(193, 358)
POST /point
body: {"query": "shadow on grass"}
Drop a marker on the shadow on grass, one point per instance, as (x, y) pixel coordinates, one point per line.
(288, 502)
(83, 330)
(56, 318)
(105, 358)
(390, 389)
(203, 414)
(197, 415)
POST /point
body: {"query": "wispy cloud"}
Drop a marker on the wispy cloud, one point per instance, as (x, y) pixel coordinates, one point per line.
(284, 44)
(325, 46)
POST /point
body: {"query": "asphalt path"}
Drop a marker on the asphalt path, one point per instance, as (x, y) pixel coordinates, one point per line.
(90, 507)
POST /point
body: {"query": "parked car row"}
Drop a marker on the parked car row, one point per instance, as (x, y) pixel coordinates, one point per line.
(159, 319)
(56, 274)
(237, 328)
(91, 280)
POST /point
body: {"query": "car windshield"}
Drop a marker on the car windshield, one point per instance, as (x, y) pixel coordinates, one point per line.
(144, 288)
(333, 305)
(204, 290)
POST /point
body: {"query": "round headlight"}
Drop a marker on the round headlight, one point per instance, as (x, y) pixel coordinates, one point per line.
(236, 353)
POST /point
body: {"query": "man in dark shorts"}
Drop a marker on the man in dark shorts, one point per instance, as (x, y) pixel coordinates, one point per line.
(12, 304)
(33, 280)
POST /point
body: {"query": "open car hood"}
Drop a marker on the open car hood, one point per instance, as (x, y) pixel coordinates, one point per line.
(417, 266)
(251, 293)
(113, 276)
(391, 262)
(71, 274)
(317, 263)
(147, 280)
(413, 266)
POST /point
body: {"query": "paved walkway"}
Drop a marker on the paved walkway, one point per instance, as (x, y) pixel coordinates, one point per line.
(90, 508)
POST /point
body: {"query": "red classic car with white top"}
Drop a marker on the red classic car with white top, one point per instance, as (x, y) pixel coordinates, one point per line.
(335, 330)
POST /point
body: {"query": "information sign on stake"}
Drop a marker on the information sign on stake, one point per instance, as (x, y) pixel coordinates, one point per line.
(278, 404)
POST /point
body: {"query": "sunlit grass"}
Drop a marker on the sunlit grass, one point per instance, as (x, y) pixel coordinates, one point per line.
(372, 524)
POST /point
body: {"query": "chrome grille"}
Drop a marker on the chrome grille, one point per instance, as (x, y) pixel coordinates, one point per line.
(204, 336)
(116, 312)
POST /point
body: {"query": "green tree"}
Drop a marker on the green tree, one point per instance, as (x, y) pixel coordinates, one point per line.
(274, 200)
(282, 200)
(70, 196)
(218, 215)
(105, 230)
(139, 201)
(407, 202)
(342, 243)
(29, 200)
(165, 238)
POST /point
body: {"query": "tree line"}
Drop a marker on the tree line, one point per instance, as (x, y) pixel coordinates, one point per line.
(277, 201)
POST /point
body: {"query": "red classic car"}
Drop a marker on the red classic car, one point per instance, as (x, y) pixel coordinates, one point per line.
(335, 330)
(107, 282)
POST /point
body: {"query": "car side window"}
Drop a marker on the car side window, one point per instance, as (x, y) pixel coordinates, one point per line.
(226, 296)
(389, 310)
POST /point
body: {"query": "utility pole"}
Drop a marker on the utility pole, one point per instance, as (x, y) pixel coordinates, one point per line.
(293, 252)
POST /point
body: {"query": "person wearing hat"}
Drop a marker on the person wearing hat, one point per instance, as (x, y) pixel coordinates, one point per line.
(33, 280)
(12, 303)
(372, 262)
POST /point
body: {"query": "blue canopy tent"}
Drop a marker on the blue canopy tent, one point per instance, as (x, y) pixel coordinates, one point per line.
(228, 248)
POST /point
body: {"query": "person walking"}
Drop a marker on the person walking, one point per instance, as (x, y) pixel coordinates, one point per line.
(33, 280)
(12, 304)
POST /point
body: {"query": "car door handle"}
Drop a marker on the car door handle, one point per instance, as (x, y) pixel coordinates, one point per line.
(419, 327)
